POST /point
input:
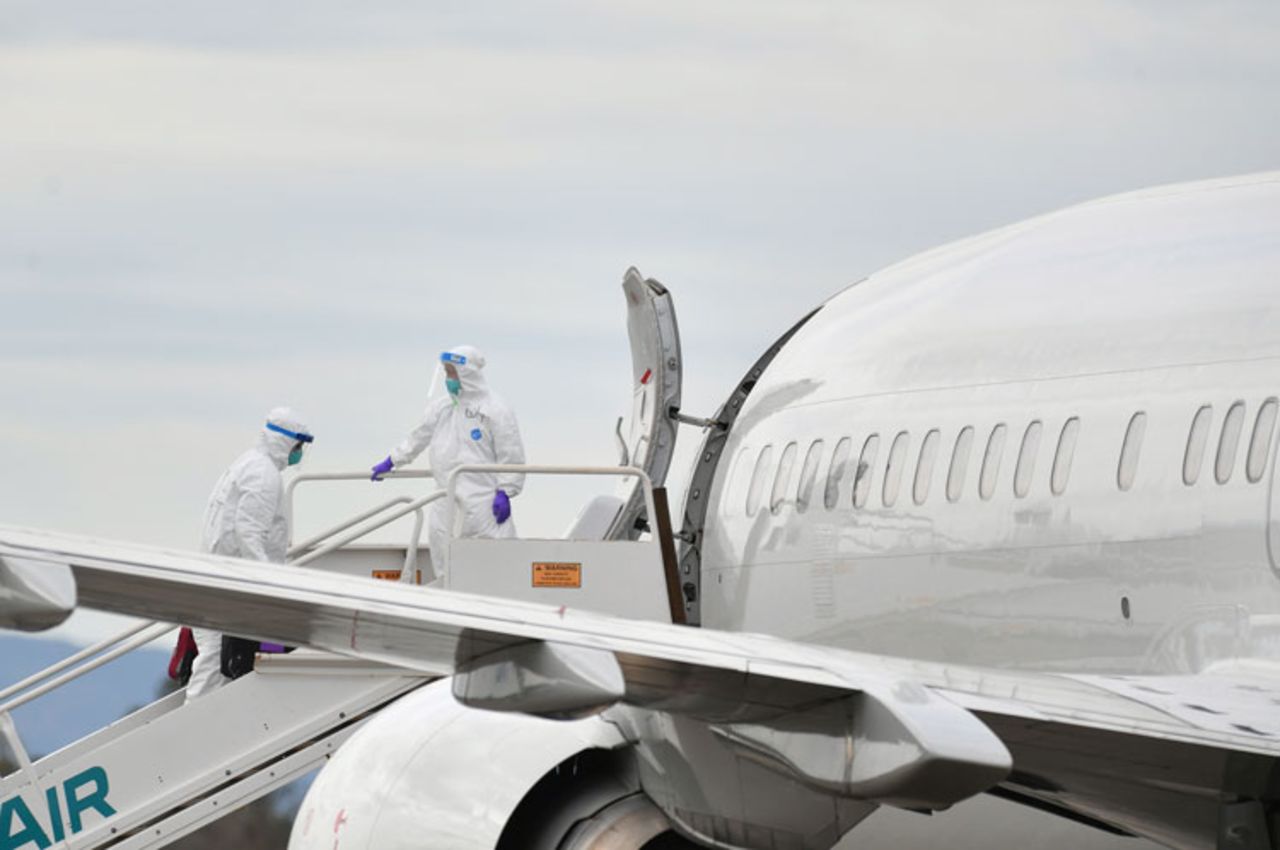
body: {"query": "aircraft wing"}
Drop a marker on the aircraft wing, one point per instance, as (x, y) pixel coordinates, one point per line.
(1113, 751)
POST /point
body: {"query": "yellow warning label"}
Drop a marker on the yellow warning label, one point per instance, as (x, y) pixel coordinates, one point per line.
(387, 575)
(557, 575)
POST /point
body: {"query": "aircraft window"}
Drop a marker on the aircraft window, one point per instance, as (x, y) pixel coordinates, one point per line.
(1066, 453)
(959, 463)
(1229, 442)
(735, 477)
(808, 476)
(782, 480)
(924, 467)
(835, 473)
(866, 466)
(1196, 443)
(1026, 468)
(1260, 443)
(991, 461)
(1131, 450)
(893, 470)
(763, 464)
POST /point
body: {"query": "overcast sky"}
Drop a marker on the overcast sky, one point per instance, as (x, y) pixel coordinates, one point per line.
(209, 209)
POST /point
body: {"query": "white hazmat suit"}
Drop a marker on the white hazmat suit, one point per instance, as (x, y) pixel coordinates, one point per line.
(474, 426)
(245, 518)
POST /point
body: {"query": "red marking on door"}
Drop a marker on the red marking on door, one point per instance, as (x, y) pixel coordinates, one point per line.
(340, 821)
(644, 379)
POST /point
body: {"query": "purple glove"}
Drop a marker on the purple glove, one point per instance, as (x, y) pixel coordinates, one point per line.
(501, 507)
(381, 469)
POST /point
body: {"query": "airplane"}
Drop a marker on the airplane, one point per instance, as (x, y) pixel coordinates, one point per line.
(992, 530)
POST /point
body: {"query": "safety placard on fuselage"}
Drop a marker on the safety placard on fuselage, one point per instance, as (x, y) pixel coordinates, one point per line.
(552, 574)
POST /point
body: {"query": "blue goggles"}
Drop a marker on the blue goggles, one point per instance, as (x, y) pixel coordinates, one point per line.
(293, 435)
(450, 357)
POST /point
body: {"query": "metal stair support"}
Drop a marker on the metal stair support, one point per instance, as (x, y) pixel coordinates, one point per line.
(169, 769)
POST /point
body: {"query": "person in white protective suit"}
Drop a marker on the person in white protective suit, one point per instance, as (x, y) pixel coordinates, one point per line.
(246, 518)
(464, 423)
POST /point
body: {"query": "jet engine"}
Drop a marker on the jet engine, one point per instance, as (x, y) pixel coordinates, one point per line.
(428, 773)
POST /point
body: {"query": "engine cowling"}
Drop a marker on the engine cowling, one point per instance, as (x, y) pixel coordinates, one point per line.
(428, 773)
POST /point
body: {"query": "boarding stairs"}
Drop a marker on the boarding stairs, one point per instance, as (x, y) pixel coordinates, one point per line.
(172, 767)
(169, 768)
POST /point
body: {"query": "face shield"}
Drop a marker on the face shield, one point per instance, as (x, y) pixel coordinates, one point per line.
(301, 440)
(451, 377)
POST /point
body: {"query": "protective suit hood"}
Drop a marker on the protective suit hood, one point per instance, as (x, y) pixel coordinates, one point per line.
(276, 445)
(469, 363)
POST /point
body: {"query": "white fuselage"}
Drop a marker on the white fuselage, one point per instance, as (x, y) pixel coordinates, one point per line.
(1077, 553)
(1087, 553)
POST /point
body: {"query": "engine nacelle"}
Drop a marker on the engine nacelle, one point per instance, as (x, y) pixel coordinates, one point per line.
(428, 773)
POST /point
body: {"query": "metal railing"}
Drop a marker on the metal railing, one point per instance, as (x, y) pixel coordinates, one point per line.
(411, 552)
(49, 679)
(451, 487)
(76, 666)
(311, 542)
(341, 476)
(414, 506)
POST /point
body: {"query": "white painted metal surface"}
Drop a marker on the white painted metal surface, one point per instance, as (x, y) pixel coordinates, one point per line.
(657, 376)
(436, 774)
(432, 631)
(1160, 303)
(619, 577)
(34, 597)
(595, 519)
(170, 768)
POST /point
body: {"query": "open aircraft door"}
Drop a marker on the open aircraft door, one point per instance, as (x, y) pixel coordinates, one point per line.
(656, 367)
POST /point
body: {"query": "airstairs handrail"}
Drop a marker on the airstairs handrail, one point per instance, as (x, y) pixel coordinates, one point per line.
(411, 551)
(298, 548)
(451, 487)
(72, 660)
(340, 476)
(415, 505)
(52, 677)
(125, 643)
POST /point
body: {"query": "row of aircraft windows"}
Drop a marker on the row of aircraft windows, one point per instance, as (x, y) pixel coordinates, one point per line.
(988, 476)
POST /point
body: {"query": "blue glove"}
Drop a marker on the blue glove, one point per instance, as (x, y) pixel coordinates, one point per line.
(501, 507)
(381, 469)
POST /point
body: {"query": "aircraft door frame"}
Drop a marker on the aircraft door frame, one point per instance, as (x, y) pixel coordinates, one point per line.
(1273, 506)
(698, 491)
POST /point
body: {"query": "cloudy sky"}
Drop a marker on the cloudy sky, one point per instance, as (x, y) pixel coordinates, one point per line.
(209, 209)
